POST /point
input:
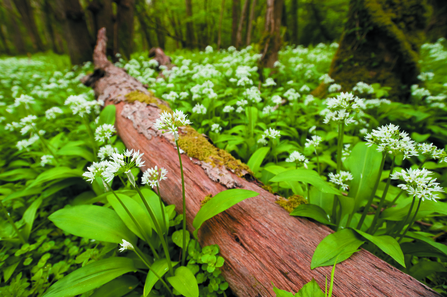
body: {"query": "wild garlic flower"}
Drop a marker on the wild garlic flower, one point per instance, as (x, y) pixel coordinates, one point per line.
(430, 151)
(242, 102)
(418, 183)
(125, 246)
(272, 133)
(304, 89)
(216, 128)
(269, 82)
(277, 99)
(95, 170)
(184, 95)
(79, 105)
(268, 109)
(209, 49)
(171, 122)
(340, 109)
(228, 108)
(50, 114)
(153, 176)
(104, 132)
(346, 152)
(123, 163)
(199, 109)
(298, 159)
(240, 109)
(426, 76)
(172, 96)
(340, 179)
(25, 100)
(315, 141)
(244, 81)
(326, 79)
(292, 95)
(419, 93)
(46, 159)
(363, 88)
(334, 88)
(25, 143)
(389, 139)
(106, 151)
(253, 94)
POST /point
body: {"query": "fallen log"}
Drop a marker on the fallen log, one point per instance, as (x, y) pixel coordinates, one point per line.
(261, 243)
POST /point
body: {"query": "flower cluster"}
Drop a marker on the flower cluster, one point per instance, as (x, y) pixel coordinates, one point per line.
(315, 141)
(269, 82)
(298, 159)
(292, 95)
(104, 132)
(46, 159)
(326, 79)
(171, 122)
(153, 176)
(125, 246)
(79, 105)
(430, 151)
(341, 178)
(269, 133)
(25, 100)
(199, 109)
(334, 88)
(50, 114)
(363, 88)
(340, 109)
(216, 128)
(418, 183)
(26, 124)
(106, 151)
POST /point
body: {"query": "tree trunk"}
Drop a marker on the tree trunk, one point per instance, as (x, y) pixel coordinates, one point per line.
(28, 20)
(48, 18)
(319, 21)
(18, 41)
(219, 30)
(102, 12)
(189, 25)
(271, 39)
(158, 26)
(124, 19)
(250, 21)
(391, 32)
(437, 26)
(76, 31)
(241, 24)
(236, 9)
(294, 22)
(4, 41)
(261, 243)
(284, 22)
(143, 18)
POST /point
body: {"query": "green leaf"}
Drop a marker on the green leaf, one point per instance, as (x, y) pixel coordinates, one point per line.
(77, 151)
(93, 222)
(18, 174)
(311, 211)
(424, 269)
(281, 293)
(118, 287)
(160, 267)
(185, 282)
(306, 176)
(8, 271)
(23, 193)
(55, 174)
(177, 238)
(341, 244)
(29, 216)
(256, 159)
(401, 210)
(438, 246)
(158, 208)
(420, 137)
(387, 244)
(107, 115)
(310, 289)
(91, 276)
(221, 202)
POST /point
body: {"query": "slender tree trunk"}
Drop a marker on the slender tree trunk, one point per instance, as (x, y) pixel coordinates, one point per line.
(4, 41)
(284, 22)
(250, 21)
(2, 34)
(294, 22)
(219, 30)
(271, 40)
(125, 25)
(158, 26)
(236, 10)
(28, 20)
(18, 41)
(102, 12)
(319, 21)
(241, 23)
(49, 20)
(189, 25)
(143, 18)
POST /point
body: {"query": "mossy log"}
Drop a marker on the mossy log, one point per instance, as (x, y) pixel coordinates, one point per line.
(380, 44)
(261, 243)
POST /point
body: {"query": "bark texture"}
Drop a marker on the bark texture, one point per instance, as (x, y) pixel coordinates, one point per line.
(17, 39)
(102, 12)
(241, 23)
(28, 20)
(219, 30)
(294, 22)
(250, 21)
(125, 27)
(380, 44)
(236, 10)
(260, 241)
(437, 26)
(271, 39)
(189, 25)
(143, 18)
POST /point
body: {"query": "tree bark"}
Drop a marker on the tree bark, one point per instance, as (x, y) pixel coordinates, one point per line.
(294, 22)
(125, 26)
(17, 39)
(4, 41)
(250, 21)
(271, 39)
(143, 18)
(48, 18)
(236, 10)
(241, 24)
(390, 31)
(219, 30)
(260, 241)
(76, 31)
(189, 25)
(102, 12)
(437, 26)
(158, 25)
(28, 20)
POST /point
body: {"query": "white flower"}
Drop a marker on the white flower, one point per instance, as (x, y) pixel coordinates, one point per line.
(315, 141)
(25, 143)
(389, 139)
(122, 163)
(24, 99)
(291, 95)
(325, 78)
(269, 82)
(242, 102)
(268, 109)
(171, 96)
(426, 76)
(51, 113)
(231, 48)
(418, 184)
(341, 178)
(430, 151)
(184, 95)
(95, 170)
(153, 176)
(228, 108)
(171, 122)
(125, 246)
(199, 109)
(298, 158)
(208, 49)
(272, 133)
(79, 105)
(27, 123)
(104, 132)
(262, 140)
(419, 93)
(334, 88)
(45, 159)
(240, 109)
(216, 128)
(362, 88)
(339, 109)
(244, 81)
(253, 94)
(304, 89)
(106, 151)
(277, 99)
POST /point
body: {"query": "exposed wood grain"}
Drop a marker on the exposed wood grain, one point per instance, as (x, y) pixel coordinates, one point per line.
(260, 242)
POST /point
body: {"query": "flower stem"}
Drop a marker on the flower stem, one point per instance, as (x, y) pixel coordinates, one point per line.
(411, 221)
(92, 137)
(45, 144)
(399, 227)
(184, 205)
(318, 162)
(341, 131)
(11, 221)
(163, 212)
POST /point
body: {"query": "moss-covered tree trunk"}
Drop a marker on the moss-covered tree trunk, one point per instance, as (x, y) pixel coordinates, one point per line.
(380, 44)
(271, 38)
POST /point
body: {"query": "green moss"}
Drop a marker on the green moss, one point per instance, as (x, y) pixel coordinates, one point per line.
(198, 147)
(206, 199)
(268, 188)
(148, 99)
(291, 203)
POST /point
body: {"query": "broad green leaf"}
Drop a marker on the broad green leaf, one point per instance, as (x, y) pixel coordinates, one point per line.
(158, 208)
(8, 271)
(143, 229)
(438, 246)
(29, 216)
(118, 287)
(93, 222)
(256, 159)
(77, 151)
(311, 211)
(107, 115)
(336, 246)
(323, 200)
(219, 203)
(420, 137)
(160, 267)
(177, 238)
(281, 293)
(310, 289)
(56, 187)
(18, 174)
(185, 282)
(387, 244)
(91, 276)
(56, 174)
(399, 212)
(424, 269)
(23, 193)
(252, 114)
(306, 176)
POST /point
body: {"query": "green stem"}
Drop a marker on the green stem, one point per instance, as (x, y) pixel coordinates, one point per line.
(402, 223)
(184, 205)
(11, 221)
(45, 144)
(334, 209)
(382, 200)
(92, 137)
(162, 211)
(371, 197)
(143, 258)
(341, 131)
(308, 193)
(318, 162)
(158, 229)
(411, 221)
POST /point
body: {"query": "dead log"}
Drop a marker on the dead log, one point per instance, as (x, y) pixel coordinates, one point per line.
(159, 55)
(260, 242)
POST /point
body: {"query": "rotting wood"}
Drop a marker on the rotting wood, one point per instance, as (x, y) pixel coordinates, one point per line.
(260, 242)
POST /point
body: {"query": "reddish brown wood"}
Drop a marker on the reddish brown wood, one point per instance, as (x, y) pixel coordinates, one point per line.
(260, 242)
